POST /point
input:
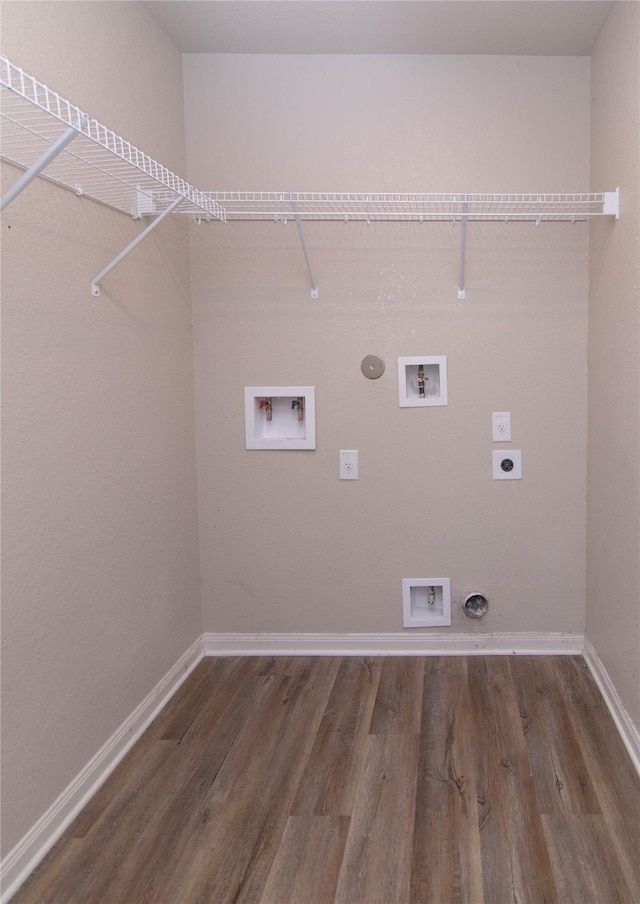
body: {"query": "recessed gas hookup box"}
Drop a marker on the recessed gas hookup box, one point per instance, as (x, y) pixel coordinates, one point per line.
(422, 381)
(280, 417)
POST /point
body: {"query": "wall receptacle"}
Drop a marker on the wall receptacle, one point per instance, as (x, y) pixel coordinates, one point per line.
(507, 464)
(501, 426)
(348, 464)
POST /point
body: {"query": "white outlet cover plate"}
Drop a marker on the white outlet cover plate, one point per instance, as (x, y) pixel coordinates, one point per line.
(514, 455)
(348, 464)
(501, 426)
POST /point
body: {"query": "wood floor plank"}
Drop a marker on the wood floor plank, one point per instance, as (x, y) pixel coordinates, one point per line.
(446, 834)
(376, 867)
(211, 686)
(132, 816)
(165, 850)
(330, 780)
(305, 779)
(307, 861)
(561, 777)
(50, 880)
(610, 768)
(229, 687)
(515, 860)
(584, 861)
(228, 859)
(142, 819)
(115, 797)
(397, 708)
(212, 681)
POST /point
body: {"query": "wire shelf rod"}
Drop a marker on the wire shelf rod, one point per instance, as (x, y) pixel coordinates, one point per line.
(95, 282)
(463, 252)
(34, 171)
(305, 250)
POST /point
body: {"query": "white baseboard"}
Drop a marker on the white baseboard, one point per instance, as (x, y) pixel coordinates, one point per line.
(627, 730)
(26, 855)
(400, 644)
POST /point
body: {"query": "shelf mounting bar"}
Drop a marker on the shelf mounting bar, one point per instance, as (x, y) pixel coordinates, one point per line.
(35, 169)
(611, 206)
(303, 242)
(463, 249)
(95, 282)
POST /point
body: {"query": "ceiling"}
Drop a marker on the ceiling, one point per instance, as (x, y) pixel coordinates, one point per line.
(520, 27)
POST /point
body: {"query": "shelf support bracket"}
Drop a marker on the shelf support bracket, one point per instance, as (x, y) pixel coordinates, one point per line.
(303, 242)
(35, 169)
(95, 282)
(463, 249)
(611, 206)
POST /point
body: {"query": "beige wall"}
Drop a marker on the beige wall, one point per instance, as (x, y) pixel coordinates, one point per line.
(287, 547)
(100, 556)
(613, 575)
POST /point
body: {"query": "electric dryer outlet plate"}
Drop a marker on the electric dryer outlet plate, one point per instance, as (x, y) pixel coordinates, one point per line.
(507, 464)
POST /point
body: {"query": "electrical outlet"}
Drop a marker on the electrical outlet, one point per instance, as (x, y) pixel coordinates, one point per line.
(507, 464)
(348, 464)
(501, 424)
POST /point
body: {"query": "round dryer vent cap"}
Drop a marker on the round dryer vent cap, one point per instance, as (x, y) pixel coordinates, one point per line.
(476, 605)
(372, 366)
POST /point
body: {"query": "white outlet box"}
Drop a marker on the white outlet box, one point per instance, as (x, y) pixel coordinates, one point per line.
(501, 426)
(348, 464)
(422, 381)
(426, 602)
(280, 417)
(507, 464)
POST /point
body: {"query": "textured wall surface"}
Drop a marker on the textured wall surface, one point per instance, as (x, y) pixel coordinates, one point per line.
(613, 560)
(100, 556)
(285, 546)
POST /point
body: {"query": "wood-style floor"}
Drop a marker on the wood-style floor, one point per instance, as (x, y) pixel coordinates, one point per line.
(312, 780)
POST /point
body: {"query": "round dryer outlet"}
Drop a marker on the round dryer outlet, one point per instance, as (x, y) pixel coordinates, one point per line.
(476, 605)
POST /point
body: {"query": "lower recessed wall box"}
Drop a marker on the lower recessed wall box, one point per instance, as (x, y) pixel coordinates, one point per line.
(422, 381)
(280, 417)
(426, 602)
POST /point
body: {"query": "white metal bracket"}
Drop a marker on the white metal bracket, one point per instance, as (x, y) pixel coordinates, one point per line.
(303, 242)
(463, 249)
(27, 177)
(95, 282)
(611, 205)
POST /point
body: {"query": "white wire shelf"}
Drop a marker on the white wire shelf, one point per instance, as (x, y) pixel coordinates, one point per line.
(45, 135)
(96, 162)
(416, 207)
(462, 207)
